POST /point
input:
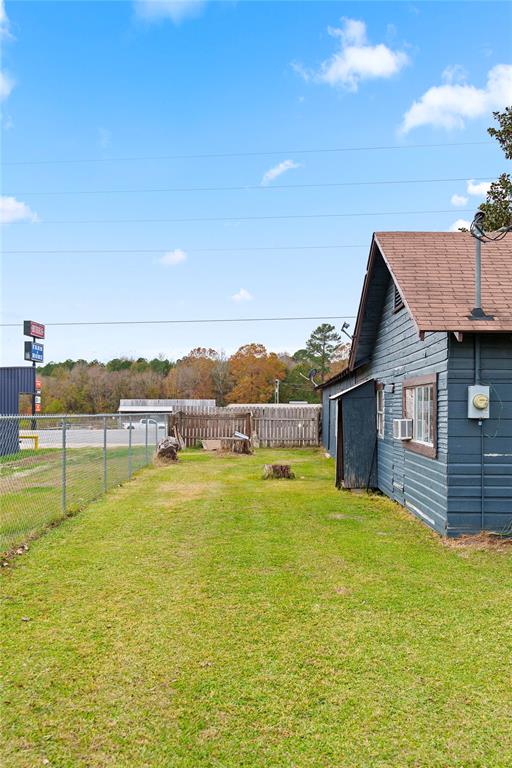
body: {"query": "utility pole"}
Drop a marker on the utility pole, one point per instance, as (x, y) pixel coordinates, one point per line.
(276, 391)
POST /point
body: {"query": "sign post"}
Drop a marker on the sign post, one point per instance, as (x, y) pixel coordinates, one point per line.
(37, 398)
(34, 352)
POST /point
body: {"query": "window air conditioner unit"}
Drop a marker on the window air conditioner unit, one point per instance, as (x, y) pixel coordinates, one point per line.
(402, 429)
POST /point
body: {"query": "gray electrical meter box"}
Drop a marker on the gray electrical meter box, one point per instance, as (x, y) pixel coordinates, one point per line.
(478, 401)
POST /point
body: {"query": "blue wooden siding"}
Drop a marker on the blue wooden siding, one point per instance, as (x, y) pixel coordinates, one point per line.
(467, 445)
(329, 420)
(330, 408)
(417, 482)
(445, 491)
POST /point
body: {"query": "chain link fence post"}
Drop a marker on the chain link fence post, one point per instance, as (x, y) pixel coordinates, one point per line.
(130, 448)
(146, 447)
(64, 466)
(105, 454)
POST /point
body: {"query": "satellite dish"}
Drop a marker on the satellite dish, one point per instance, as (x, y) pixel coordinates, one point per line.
(345, 331)
(312, 373)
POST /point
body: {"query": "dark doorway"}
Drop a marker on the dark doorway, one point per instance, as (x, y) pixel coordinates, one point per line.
(356, 457)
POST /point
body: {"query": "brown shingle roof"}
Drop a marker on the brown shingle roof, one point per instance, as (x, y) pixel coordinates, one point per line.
(435, 273)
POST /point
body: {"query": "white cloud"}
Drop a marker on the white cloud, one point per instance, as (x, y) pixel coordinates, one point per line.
(6, 82)
(4, 22)
(242, 295)
(479, 189)
(277, 170)
(450, 105)
(459, 200)
(458, 224)
(172, 258)
(175, 10)
(356, 60)
(6, 85)
(12, 210)
(455, 73)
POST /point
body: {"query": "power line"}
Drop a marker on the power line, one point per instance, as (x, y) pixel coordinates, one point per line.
(249, 218)
(192, 250)
(260, 153)
(245, 187)
(185, 321)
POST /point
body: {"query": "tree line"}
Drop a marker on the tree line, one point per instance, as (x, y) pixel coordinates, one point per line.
(247, 376)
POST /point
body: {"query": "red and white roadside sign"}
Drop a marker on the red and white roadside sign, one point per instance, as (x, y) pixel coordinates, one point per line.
(38, 385)
(31, 328)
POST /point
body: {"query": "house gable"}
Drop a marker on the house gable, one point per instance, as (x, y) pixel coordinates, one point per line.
(373, 297)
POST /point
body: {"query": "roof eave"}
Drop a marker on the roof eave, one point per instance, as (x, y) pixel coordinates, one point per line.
(362, 304)
(402, 293)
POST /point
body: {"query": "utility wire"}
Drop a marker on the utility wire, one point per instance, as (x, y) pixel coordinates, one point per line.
(185, 321)
(244, 187)
(249, 218)
(192, 250)
(213, 155)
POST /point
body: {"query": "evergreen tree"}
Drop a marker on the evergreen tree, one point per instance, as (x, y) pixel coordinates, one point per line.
(321, 347)
(296, 385)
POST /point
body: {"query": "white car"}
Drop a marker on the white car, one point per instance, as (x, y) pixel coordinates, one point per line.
(141, 424)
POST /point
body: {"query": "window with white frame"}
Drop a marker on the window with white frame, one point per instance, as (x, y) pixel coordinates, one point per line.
(419, 404)
(380, 410)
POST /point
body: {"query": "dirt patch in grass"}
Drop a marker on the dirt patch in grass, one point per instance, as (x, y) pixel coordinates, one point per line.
(178, 492)
(207, 734)
(17, 483)
(28, 461)
(159, 462)
(481, 541)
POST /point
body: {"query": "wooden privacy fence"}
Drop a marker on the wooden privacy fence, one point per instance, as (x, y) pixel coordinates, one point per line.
(269, 426)
(214, 425)
(281, 426)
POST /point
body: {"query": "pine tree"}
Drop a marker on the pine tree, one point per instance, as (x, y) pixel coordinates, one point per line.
(321, 347)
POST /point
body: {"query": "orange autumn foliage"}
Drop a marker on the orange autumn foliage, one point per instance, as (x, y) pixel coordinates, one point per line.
(253, 371)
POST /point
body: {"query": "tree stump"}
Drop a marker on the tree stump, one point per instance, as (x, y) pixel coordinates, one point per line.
(278, 472)
(167, 450)
(237, 445)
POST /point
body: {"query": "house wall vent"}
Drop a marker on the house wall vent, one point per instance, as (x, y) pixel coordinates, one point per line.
(397, 300)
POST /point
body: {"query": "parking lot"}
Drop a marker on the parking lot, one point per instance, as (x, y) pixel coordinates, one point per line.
(88, 438)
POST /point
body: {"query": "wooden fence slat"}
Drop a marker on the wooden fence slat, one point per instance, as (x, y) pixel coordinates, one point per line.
(274, 426)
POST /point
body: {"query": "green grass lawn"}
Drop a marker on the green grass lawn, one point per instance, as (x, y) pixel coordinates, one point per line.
(201, 616)
(31, 486)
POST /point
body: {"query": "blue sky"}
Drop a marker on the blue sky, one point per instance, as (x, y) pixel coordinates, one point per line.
(100, 80)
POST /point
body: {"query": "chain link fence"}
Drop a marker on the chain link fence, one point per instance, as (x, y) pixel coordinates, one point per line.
(52, 466)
